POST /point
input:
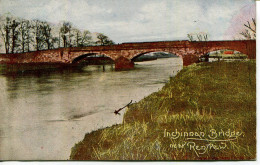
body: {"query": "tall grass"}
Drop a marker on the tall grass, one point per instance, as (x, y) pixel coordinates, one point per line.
(219, 96)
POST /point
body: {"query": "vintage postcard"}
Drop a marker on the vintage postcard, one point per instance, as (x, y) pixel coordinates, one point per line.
(128, 80)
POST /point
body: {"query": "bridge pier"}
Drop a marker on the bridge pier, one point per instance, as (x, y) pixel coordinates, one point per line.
(122, 63)
(189, 59)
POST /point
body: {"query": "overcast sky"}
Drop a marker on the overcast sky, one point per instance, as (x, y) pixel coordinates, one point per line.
(137, 20)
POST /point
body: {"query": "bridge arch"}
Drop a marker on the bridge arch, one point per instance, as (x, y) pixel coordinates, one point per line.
(230, 53)
(225, 51)
(243, 48)
(84, 56)
(152, 51)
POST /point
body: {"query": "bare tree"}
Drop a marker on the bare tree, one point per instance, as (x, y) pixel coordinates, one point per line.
(43, 35)
(85, 39)
(25, 36)
(250, 30)
(101, 39)
(5, 33)
(46, 34)
(78, 37)
(199, 36)
(190, 36)
(17, 35)
(65, 32)
(20, 35)
(14, 34)
(30, 35)
(202, 37)
(104, 40)
(54, 42)
(37, 34)
(205, 36)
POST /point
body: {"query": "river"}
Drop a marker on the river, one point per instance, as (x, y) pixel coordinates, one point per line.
(43, 115)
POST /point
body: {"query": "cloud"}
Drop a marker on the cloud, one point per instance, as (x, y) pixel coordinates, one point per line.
(134, 20)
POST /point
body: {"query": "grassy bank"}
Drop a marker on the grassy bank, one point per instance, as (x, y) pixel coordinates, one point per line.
(206, 112)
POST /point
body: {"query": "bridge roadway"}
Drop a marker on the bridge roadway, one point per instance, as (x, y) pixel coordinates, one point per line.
(123, 54)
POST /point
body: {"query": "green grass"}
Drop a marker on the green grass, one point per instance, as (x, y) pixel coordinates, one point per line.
(219, 96)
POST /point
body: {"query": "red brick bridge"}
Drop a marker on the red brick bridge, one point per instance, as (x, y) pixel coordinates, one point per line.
(123, 54)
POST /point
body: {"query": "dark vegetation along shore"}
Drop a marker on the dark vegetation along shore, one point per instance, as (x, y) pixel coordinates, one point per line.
(206, 112)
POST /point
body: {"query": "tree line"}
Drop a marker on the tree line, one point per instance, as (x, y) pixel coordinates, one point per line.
(20, 35)
(198, 36)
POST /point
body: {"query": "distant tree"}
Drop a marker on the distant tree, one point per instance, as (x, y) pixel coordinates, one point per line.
(20, 35)
(250, 30)
(65, 32)
(85, 39)
(43, 36)
(37, 34)
(201, 47)
(17, 35)
(59, 39)
(104, 40)
(202, 37)
(23, 35)
(30, 35)
(54, 42)
(70, 37)
(198, 36)
(77, 37)
(46, 34)
(14, 35)
(25, 30)
(190, 36)
(6, 34)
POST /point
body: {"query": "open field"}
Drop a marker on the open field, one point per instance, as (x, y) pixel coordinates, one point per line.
(206, 112)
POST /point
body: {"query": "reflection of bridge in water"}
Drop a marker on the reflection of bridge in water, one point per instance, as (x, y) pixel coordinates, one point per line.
(123, 54)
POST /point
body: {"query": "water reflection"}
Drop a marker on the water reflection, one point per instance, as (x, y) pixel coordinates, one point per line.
(44, 114)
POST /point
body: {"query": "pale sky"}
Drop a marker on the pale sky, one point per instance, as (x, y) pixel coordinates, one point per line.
(136, 20)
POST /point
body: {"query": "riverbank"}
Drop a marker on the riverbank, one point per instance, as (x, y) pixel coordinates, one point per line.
(206, 112)
(9, 69)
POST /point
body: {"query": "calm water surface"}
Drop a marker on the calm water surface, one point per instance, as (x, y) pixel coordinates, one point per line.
(42, 116)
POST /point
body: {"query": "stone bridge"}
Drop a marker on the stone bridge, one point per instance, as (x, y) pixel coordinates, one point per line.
(123, 54)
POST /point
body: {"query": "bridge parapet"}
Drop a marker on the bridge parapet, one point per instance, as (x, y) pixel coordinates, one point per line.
(132, 50)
